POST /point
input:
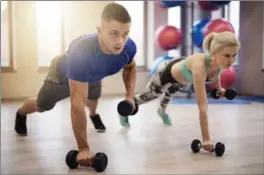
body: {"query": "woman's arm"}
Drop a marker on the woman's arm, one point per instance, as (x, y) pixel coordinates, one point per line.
(219, 86)
(199, 77)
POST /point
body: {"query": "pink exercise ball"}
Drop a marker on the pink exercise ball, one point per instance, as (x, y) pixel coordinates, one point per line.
(168, 37)
(218, 25)
(227, 79)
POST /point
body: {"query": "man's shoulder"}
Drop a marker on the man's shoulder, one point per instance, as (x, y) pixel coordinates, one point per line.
(84, 42)
(130, 47)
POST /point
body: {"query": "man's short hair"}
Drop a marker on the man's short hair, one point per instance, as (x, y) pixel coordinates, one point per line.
(114, 11)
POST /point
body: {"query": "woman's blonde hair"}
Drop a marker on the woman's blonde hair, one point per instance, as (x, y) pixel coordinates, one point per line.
(216, 41)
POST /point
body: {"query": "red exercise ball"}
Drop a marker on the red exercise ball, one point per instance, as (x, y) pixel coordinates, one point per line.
(205, 5)
(227, 79)
(168, 37)
(218, 25)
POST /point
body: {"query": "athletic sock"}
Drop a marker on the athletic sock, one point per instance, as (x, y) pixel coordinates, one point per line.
(124, 121)
(165, 118)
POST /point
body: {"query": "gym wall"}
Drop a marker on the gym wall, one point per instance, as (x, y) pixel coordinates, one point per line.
(82, 18)
(250, 76)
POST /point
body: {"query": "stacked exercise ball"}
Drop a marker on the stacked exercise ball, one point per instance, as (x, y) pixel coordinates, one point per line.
(158, 62)
(169, 4)
(227, 79)
(203, 27)
(168, 37)
(212, 5)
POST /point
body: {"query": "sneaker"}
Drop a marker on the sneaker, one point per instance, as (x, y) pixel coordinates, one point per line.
(124, 121)
(21, 124)
(165, 118)
(98, 124)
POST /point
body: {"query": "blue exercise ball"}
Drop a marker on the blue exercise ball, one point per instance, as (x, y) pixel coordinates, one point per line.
(219, 3)
(197, 32)
(157, 62)
(170, 4)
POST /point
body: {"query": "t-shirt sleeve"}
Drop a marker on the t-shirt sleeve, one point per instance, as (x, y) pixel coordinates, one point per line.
(131, 50)
(78, 64)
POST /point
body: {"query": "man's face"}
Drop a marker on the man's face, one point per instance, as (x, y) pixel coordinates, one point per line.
(114, 35)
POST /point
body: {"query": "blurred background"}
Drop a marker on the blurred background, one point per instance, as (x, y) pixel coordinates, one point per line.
(33, 32)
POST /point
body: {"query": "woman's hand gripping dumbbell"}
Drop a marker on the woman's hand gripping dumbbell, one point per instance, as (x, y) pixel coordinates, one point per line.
(229, 94)
(127, 107)
(219, 148)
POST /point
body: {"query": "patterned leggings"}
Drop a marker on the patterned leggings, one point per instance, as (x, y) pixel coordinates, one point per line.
(155, 88)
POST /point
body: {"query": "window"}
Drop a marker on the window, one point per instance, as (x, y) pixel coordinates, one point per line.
(6, 35)
(49, 31)
(136, 11)
(174, 19)
(234, 11)
(232, 14)
(217, 14)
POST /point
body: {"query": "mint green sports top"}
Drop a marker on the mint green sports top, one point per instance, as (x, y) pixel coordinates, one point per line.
(188, 74)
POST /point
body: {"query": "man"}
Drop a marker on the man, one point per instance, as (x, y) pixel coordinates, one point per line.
(78, 73)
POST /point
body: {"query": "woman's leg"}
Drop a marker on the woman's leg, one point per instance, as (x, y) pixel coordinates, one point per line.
(152, 91)
(165, 99)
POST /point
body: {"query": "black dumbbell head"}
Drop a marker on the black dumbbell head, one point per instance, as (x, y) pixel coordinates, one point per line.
(125, 108)
(230, 94)
(196, 146)
(215, 94)
(219, 149)
(71, 159)
(100, 162)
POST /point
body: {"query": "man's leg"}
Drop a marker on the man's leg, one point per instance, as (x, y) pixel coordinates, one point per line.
(93, 97)
(49, 94)
(165, 99)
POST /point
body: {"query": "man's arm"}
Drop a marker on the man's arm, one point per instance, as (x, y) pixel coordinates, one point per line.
(129, 78)
(199, 77)
(78, 96)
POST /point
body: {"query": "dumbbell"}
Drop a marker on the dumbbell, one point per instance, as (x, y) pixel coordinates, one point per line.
(125, 108)
(230, 94)
(219, 147)
(99, 161)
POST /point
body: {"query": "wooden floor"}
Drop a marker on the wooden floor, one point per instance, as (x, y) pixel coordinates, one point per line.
(147, 147)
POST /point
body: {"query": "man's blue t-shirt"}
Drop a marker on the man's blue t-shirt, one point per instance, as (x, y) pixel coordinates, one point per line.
(85, 61)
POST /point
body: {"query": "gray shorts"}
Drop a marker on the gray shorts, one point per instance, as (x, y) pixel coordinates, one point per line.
(56, 88)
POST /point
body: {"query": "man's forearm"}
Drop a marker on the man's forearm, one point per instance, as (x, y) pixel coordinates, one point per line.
(129, 78)
(204, 126)
(79, 124)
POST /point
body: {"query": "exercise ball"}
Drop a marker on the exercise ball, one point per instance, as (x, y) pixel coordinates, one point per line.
(206, 6)
(169, 4)
(197, 32)
(227, 79)
(219, 3)
(218, 25)
(157, 62)
(168, 37)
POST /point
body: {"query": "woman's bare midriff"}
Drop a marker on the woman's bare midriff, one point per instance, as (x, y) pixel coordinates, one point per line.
(176, 69)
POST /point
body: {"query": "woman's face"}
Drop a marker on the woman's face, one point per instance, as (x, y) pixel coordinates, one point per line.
(226, 57)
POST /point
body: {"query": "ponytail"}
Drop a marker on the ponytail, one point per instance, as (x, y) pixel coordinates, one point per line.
(207, 42)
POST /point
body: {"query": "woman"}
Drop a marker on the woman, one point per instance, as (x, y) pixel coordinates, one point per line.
(198, 69)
